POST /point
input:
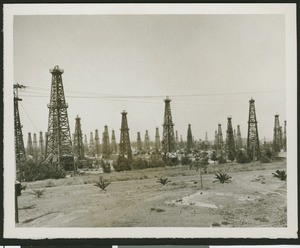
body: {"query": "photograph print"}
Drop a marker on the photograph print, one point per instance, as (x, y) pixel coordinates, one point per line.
(152, 121)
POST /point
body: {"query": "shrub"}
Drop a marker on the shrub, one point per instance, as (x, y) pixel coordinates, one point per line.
(242, 157)
(221, 160)
(38, 192)
(156, 161)
(105, 166)
(30, 171)
(122, 164)
(185, 160)
(264, 159)
(139, 163)
(214, 156)
(281, 174)
(163, 180)
(222, 178)
(231, 156)
(102, 183)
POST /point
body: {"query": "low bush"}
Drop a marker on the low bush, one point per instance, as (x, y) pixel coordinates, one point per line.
(122, 164)
(30, 171)
(264, 159)
(242, 157)
(102, 183)
(163, 180)
(281, 174)
(38, 192)
(222, 178)
(185, 160)
(105, 166)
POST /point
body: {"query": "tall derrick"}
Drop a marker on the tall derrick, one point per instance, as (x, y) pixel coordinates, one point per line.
(85, 144)
(97, 143)
(284, 137)
(147, 142)
(253, 149)
(19, 143)
(78, 142)
(157, 140)
(220, 145)
(277, 135)
(168, 141)
(92, 145)
(29, 145)
(139, 142)
(216, 141)
(189, 144)
(125, 147)
(114, 147)
(105, 142)
(239, 141)
(35, 146)
(230, 144)
(41, 144)
(59, 144)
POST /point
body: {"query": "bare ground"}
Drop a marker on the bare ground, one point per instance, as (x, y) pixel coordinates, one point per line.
(253, 198)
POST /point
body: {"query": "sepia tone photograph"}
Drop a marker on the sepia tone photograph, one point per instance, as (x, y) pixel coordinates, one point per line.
(145, 117)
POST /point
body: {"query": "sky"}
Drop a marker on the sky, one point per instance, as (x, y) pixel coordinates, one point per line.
(209, 65)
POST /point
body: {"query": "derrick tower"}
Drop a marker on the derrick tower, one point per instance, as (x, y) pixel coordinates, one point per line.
(41, 144)
(230, 144)
(97, 143)
(168, 141)
(220, 143)
(91, 145)
(125, 148)
(147, 142)
(239, 141)
(86, 145)
(114, 147)
(105, 142)
(35, 146)
(29, 145)
(78, 142)
(253, 149)
(284, 137)
(157, 140)
(59, 144)
(277, 135)
(139, 142)
(216, 140)
(19, 143)
(189, 144)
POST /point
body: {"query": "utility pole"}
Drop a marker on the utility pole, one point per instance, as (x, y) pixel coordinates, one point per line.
(125, 147)
(168, 141)
(253, 149)
(59, 143)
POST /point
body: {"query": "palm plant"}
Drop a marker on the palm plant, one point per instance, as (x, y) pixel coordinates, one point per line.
(281, 174)
(163, 180)
(102, 183)
(222, 178)
(38, 192)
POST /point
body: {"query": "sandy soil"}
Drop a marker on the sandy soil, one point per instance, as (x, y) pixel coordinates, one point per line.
(253, 198)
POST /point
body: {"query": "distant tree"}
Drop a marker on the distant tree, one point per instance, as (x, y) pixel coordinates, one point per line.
(231, 156)
(214, 156)
(200, 164)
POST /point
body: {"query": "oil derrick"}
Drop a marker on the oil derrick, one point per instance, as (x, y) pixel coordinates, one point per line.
(41, 144)
(46, 140)
(105, 142)
(59, 144)
(239, 141)
(125, 148)
(35, 146)
(147, 142)
(234, 135)
(29, 145)
(139, 142)
(78, 142)
(176, 137)
(230, 144)
(216, 141)
(86, 145)
(114, 147)
(189, 144)
(220, 144)
(168, 141)
(92, 145)
(284, 137)
(157, 140)
(19, 143)
(97, 148)
(277, 135)
(253, 149)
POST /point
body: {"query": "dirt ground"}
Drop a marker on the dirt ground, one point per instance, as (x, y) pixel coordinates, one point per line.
(253, 198)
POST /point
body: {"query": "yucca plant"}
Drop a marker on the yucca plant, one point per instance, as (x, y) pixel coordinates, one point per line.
(102, 183)
(222, 178)
(163, 180)
(281, 174)
(38, 192)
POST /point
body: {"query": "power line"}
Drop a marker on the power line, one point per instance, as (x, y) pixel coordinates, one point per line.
(29, 118)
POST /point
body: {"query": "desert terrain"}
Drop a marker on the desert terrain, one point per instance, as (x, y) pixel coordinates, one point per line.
(253, 198)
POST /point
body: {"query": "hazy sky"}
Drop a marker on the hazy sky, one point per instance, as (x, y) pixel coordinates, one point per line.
(222, 59)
